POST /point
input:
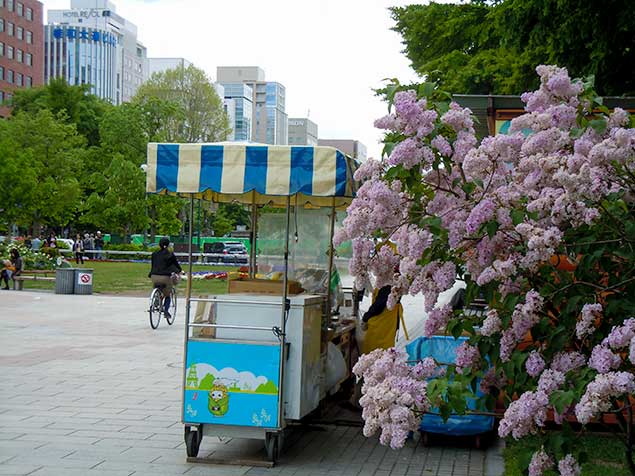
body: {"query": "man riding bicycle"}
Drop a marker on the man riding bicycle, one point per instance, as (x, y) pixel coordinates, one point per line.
(164, 266)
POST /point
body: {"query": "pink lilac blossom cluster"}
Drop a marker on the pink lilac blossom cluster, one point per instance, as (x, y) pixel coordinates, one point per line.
(568, 466)
(492, 323)
(540, 462)
(534, 364)
(467, 356)
(598, 394)
(586, 325)
(505, 206)
(394, 394)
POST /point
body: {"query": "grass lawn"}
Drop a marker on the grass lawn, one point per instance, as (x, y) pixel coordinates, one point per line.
(605, 455)
(131, 279)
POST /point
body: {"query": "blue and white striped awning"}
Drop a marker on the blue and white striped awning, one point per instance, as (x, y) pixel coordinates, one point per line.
(322, 176)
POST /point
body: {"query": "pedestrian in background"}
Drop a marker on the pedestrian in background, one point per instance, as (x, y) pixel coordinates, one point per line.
(78, 249)
(51, 242)
(99, 245)
(27, 242)
(87, 246)
(36, 243)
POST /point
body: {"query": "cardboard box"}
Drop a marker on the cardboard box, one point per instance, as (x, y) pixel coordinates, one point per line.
(263, 286)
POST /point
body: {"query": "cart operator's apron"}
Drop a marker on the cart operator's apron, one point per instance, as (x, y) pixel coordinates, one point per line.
(382, 322)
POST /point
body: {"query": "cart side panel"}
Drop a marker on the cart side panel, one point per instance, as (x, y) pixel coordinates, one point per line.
(231, 383)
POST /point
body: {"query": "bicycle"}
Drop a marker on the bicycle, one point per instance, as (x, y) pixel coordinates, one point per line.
(156, 309)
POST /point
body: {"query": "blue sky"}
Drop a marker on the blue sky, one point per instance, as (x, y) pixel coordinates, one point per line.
(329, 54)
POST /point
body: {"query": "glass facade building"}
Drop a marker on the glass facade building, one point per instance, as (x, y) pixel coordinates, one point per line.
(276, 131)
(82, 56)
(81, 43)
(240, 95)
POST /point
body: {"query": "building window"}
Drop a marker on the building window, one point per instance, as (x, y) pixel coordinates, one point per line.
(10, 5)
(9, 28)
(19, 56)
(1, 25)
(29, 14)
(9, 52)
(1, 92)
(10, 76)
(20, 33)
(20, 9)
(28, 81)
(29, 37)
(28, 59)
(1, 49)
(1, 73)
(18, 79)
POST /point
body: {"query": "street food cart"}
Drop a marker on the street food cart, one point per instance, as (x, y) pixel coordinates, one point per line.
(256, 359)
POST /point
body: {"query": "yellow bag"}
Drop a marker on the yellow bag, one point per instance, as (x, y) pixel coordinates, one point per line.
(382, 329)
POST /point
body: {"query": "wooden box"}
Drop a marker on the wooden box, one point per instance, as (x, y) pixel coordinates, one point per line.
(263, 286)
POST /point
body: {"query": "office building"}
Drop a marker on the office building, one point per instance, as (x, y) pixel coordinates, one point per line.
(21, 47)
(160, 65)
(91, 44)
(302, 131)
(354, 148)
(237, 98)
(269, 118)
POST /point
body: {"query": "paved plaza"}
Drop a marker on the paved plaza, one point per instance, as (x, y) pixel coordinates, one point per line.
(87, 388)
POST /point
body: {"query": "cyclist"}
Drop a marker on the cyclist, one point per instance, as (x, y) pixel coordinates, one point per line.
(164, 267)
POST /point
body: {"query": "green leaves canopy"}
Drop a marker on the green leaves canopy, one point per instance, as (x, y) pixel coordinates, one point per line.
(493, 47)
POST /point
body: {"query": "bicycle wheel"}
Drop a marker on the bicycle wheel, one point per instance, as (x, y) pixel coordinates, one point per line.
(172, 307)
(156, 308)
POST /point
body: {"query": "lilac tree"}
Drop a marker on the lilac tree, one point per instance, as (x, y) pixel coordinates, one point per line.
(541, 223)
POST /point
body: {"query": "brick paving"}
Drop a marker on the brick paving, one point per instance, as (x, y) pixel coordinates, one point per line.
(88, 389)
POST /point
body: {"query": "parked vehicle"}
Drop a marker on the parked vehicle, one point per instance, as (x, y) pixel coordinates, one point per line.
(228, 252)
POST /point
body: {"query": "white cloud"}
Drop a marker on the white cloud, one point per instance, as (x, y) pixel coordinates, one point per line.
(229, 376)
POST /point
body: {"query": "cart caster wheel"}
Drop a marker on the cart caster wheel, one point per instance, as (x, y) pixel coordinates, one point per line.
(478, 443)
(425, 438)
(272, 446)
(193, 440)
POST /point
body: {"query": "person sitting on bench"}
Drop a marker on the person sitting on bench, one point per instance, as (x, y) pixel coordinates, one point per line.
(12, 268)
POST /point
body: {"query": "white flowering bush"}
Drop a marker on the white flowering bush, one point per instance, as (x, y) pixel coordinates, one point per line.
(541, 223)
(31, 259)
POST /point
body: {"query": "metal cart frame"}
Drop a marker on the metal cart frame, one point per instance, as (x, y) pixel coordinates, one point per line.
(164, 175)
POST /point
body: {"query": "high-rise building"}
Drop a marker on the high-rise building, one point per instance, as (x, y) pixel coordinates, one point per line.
(302, 131)
(351, 147)
(270, 122)
(159, 65)
(21, 47)
(237, 98)
(91, 44)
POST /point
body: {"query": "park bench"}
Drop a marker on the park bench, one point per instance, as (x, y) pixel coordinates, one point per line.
(32, 275)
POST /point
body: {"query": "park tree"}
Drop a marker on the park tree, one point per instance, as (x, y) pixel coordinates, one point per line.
(80, 108)
(43, 154)
(202, 117)
(481, 47)
(118, 202)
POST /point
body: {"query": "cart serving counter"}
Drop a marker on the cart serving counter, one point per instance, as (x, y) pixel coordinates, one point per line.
(256, 358)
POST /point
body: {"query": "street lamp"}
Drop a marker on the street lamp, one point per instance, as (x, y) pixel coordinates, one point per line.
(144, 169)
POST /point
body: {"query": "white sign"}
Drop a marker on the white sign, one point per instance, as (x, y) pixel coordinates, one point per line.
(84, 278)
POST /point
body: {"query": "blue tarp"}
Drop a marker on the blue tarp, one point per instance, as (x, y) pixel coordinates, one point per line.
(443, 350)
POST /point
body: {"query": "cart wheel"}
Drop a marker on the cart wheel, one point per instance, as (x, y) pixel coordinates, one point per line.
(478, 442)
(192, 441)
(425, 438)
(272, 445)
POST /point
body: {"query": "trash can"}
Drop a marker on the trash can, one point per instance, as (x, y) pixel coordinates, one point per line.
(64, 281)
(83, 281)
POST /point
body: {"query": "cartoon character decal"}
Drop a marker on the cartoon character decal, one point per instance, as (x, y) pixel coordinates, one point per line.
(218, 400)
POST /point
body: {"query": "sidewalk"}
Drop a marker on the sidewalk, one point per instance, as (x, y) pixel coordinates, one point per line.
(89, 389)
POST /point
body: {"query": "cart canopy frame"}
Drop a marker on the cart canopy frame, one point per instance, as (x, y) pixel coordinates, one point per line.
(252, 174)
